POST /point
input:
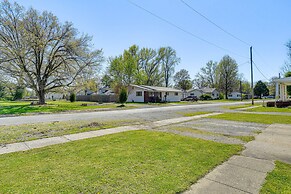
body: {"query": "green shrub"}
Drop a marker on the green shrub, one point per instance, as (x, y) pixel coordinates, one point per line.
(72, 97)
(205, 97)
(19, 93)
(123, 95)
(221, 96)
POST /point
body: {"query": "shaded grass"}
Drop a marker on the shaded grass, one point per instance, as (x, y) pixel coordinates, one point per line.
(26, 132)
(279, 180)
(129, 162)
(51, 107)
(256, 118)
(191, 114)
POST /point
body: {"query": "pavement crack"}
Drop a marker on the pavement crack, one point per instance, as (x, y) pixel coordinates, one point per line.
(228, 185)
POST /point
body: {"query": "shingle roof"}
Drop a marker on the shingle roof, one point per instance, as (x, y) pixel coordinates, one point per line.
(286, 80)
(208, 90)
(156, 88)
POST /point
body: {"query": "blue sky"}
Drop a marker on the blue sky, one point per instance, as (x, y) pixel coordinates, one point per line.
(117, 24)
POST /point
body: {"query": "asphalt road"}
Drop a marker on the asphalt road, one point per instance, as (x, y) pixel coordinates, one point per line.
(143, 114)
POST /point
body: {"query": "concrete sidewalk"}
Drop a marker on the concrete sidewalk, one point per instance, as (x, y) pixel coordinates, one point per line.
(23, 146)
(246, 173)
(239, 174)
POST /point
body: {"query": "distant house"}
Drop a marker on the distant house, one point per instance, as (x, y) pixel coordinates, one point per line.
(106, 91)
(143, 93)
(193, 92)
(54, 96)
(213, 92)
(85, 92)
(234, 96)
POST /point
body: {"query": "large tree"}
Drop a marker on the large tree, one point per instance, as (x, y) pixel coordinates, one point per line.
(226, 73)
(47, 54)
(288, 74)
(287, 67)
(261, 89)
(150, 60)
(207, 76)
(169, 61)
(182, 80)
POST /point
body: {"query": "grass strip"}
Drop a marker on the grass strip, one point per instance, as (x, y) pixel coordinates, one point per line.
(191, 114)
(256, 118)
(27, 132)
(279, 180)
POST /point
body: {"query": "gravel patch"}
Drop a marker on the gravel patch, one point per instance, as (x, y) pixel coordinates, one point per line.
(232, 128)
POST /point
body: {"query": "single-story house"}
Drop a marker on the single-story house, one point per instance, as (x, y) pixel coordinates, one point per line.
(213, 92)
(234, 96)
(85, 92)
(194, 92)
(143, 93)
(106, 91)
(54, 96)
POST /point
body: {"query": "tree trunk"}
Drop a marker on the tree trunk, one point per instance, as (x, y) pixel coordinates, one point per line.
(41, 95)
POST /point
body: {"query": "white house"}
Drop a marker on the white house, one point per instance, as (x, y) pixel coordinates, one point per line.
(281, 88)
(142, 93)
(213, 92)
(194, 92)
(234, 96)
(54, 96)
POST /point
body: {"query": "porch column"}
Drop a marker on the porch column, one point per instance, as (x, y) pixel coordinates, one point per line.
(282, 92)
(277, 91)
(285, 92)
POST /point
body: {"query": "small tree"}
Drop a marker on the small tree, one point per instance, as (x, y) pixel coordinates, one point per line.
(19, 93)
(123, 96)
(261, 89)
(72, 97)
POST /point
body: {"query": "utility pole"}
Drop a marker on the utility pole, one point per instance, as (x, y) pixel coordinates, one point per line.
(240, 90)
(252, 76)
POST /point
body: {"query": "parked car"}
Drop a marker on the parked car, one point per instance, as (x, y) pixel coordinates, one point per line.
(190, 98)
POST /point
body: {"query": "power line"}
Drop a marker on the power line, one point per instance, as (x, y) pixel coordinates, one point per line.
(183, 30)
(243, 63)
(230, 34)
(260, 71)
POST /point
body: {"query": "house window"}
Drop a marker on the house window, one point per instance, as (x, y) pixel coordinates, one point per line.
(230, 95)
(192, 94)
(238, 95)
(167, 93)
(138, 93)
(212, 94)
(176, 93)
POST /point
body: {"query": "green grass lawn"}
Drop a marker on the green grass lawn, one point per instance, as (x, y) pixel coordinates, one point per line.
(51, 107)
(269, 109)
(256, 118)
(26, 132)
(191, 114)
(129, 162)
(279, 180)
